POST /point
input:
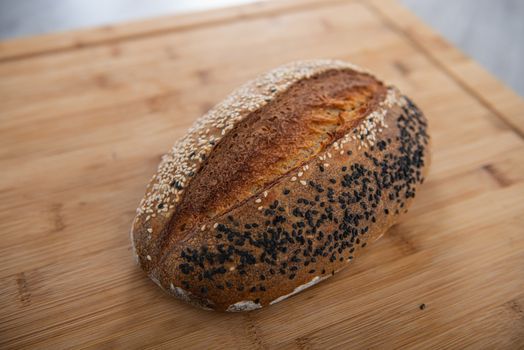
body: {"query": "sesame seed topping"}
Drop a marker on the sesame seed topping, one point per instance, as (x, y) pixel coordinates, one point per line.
(327, 222)
(148, 257)
(184, 160)
(367, 131)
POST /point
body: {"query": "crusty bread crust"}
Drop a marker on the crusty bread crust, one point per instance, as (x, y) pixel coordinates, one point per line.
(280, 185)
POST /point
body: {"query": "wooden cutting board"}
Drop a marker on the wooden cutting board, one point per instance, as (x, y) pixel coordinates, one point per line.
(85, 117)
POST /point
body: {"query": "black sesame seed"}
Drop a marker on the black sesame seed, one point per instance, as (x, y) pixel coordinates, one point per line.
(390, 175)
(186, 268)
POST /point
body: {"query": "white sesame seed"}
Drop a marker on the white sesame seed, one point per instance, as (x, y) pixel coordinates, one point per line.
(203, 227)
(260, 208)
(215, 225)
(265, 193)
(258, 200)
(303, 182)
(148, 257)
(300, 174)
(150, 230)
(294, 178)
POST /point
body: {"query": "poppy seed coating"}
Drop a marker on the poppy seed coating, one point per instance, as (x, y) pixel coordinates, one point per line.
(236, 226)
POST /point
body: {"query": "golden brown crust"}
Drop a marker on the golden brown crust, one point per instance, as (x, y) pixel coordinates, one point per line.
(270, 142)
(292, 212)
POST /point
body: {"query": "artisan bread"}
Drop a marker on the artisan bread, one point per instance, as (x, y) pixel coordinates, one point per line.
(280, 185)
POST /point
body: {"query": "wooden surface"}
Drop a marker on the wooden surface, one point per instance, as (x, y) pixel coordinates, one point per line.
(483, 29)
(85, 117)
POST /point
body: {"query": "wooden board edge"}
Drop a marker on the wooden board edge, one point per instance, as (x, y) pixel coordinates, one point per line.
(58, 42)
(501, 100)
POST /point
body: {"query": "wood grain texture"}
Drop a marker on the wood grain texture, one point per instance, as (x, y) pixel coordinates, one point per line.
(82, 132)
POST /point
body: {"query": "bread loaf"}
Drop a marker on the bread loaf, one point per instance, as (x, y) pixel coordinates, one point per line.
(280, 186)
